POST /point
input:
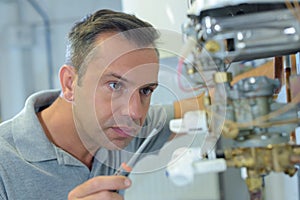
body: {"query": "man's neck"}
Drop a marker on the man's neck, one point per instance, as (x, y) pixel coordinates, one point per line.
(58, 124)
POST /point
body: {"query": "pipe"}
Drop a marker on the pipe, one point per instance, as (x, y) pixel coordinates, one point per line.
(298, 63)
(46, 22)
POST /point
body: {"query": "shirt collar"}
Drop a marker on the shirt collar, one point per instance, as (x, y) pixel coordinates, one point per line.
(29, 136)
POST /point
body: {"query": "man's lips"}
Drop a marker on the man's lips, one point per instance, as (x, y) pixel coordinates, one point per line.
(124, 131)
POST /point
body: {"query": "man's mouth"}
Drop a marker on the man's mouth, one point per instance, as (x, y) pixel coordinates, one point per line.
(124, 132)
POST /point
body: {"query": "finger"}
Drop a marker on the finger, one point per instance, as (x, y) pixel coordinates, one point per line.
(100, 183)
(107, 195)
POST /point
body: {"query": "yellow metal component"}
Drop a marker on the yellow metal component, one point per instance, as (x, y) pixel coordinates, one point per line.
(222, 77)
(264, 159)
(206, 101)
(230, 129)
(191, 71)
(296, 150)
(212, 46)
(254, 183)
(260, 161)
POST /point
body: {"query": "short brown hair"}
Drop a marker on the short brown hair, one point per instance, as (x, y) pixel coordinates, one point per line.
(81, 38)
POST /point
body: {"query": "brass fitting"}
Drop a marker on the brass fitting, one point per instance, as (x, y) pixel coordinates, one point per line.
(239, 157)
(206, 101)
(274, 157)
(230, 129)
(259, 161)
(222, 77)
(191, 71)
(254, 183)
(212, 46)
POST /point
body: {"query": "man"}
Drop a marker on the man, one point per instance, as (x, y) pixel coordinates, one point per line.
(68, 143)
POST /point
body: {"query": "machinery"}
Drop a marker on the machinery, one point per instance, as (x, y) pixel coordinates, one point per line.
(219, 34)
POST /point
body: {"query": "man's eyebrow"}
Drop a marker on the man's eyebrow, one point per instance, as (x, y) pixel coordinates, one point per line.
(151, 85)
(155, 84)
(116, 76)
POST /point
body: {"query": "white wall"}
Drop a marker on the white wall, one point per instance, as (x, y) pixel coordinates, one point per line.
(23, 63)
(165, 14)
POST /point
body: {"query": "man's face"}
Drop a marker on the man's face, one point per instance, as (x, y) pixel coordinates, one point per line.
(113, 97)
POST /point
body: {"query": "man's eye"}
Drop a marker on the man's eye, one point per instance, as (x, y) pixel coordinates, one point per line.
(146, 91)
(115, 86)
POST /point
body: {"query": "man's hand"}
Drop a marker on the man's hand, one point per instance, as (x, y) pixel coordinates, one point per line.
(100, 187)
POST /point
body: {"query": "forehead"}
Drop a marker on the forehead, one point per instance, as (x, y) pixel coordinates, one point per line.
(114, 53)
(112, 46)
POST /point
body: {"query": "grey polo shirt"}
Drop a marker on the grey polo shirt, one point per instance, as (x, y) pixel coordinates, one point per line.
(31, 167)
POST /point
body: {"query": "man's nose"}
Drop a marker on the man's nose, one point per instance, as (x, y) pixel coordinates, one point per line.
(135, 106)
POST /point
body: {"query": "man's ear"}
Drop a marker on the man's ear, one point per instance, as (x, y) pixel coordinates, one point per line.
(67, 75)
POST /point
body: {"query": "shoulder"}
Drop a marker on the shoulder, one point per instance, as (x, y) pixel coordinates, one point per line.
(8, 150)
(6, 133)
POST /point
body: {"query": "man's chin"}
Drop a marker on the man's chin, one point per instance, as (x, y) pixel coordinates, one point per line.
(117, 145)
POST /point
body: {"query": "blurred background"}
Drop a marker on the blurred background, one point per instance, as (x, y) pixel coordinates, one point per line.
(33, 39)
